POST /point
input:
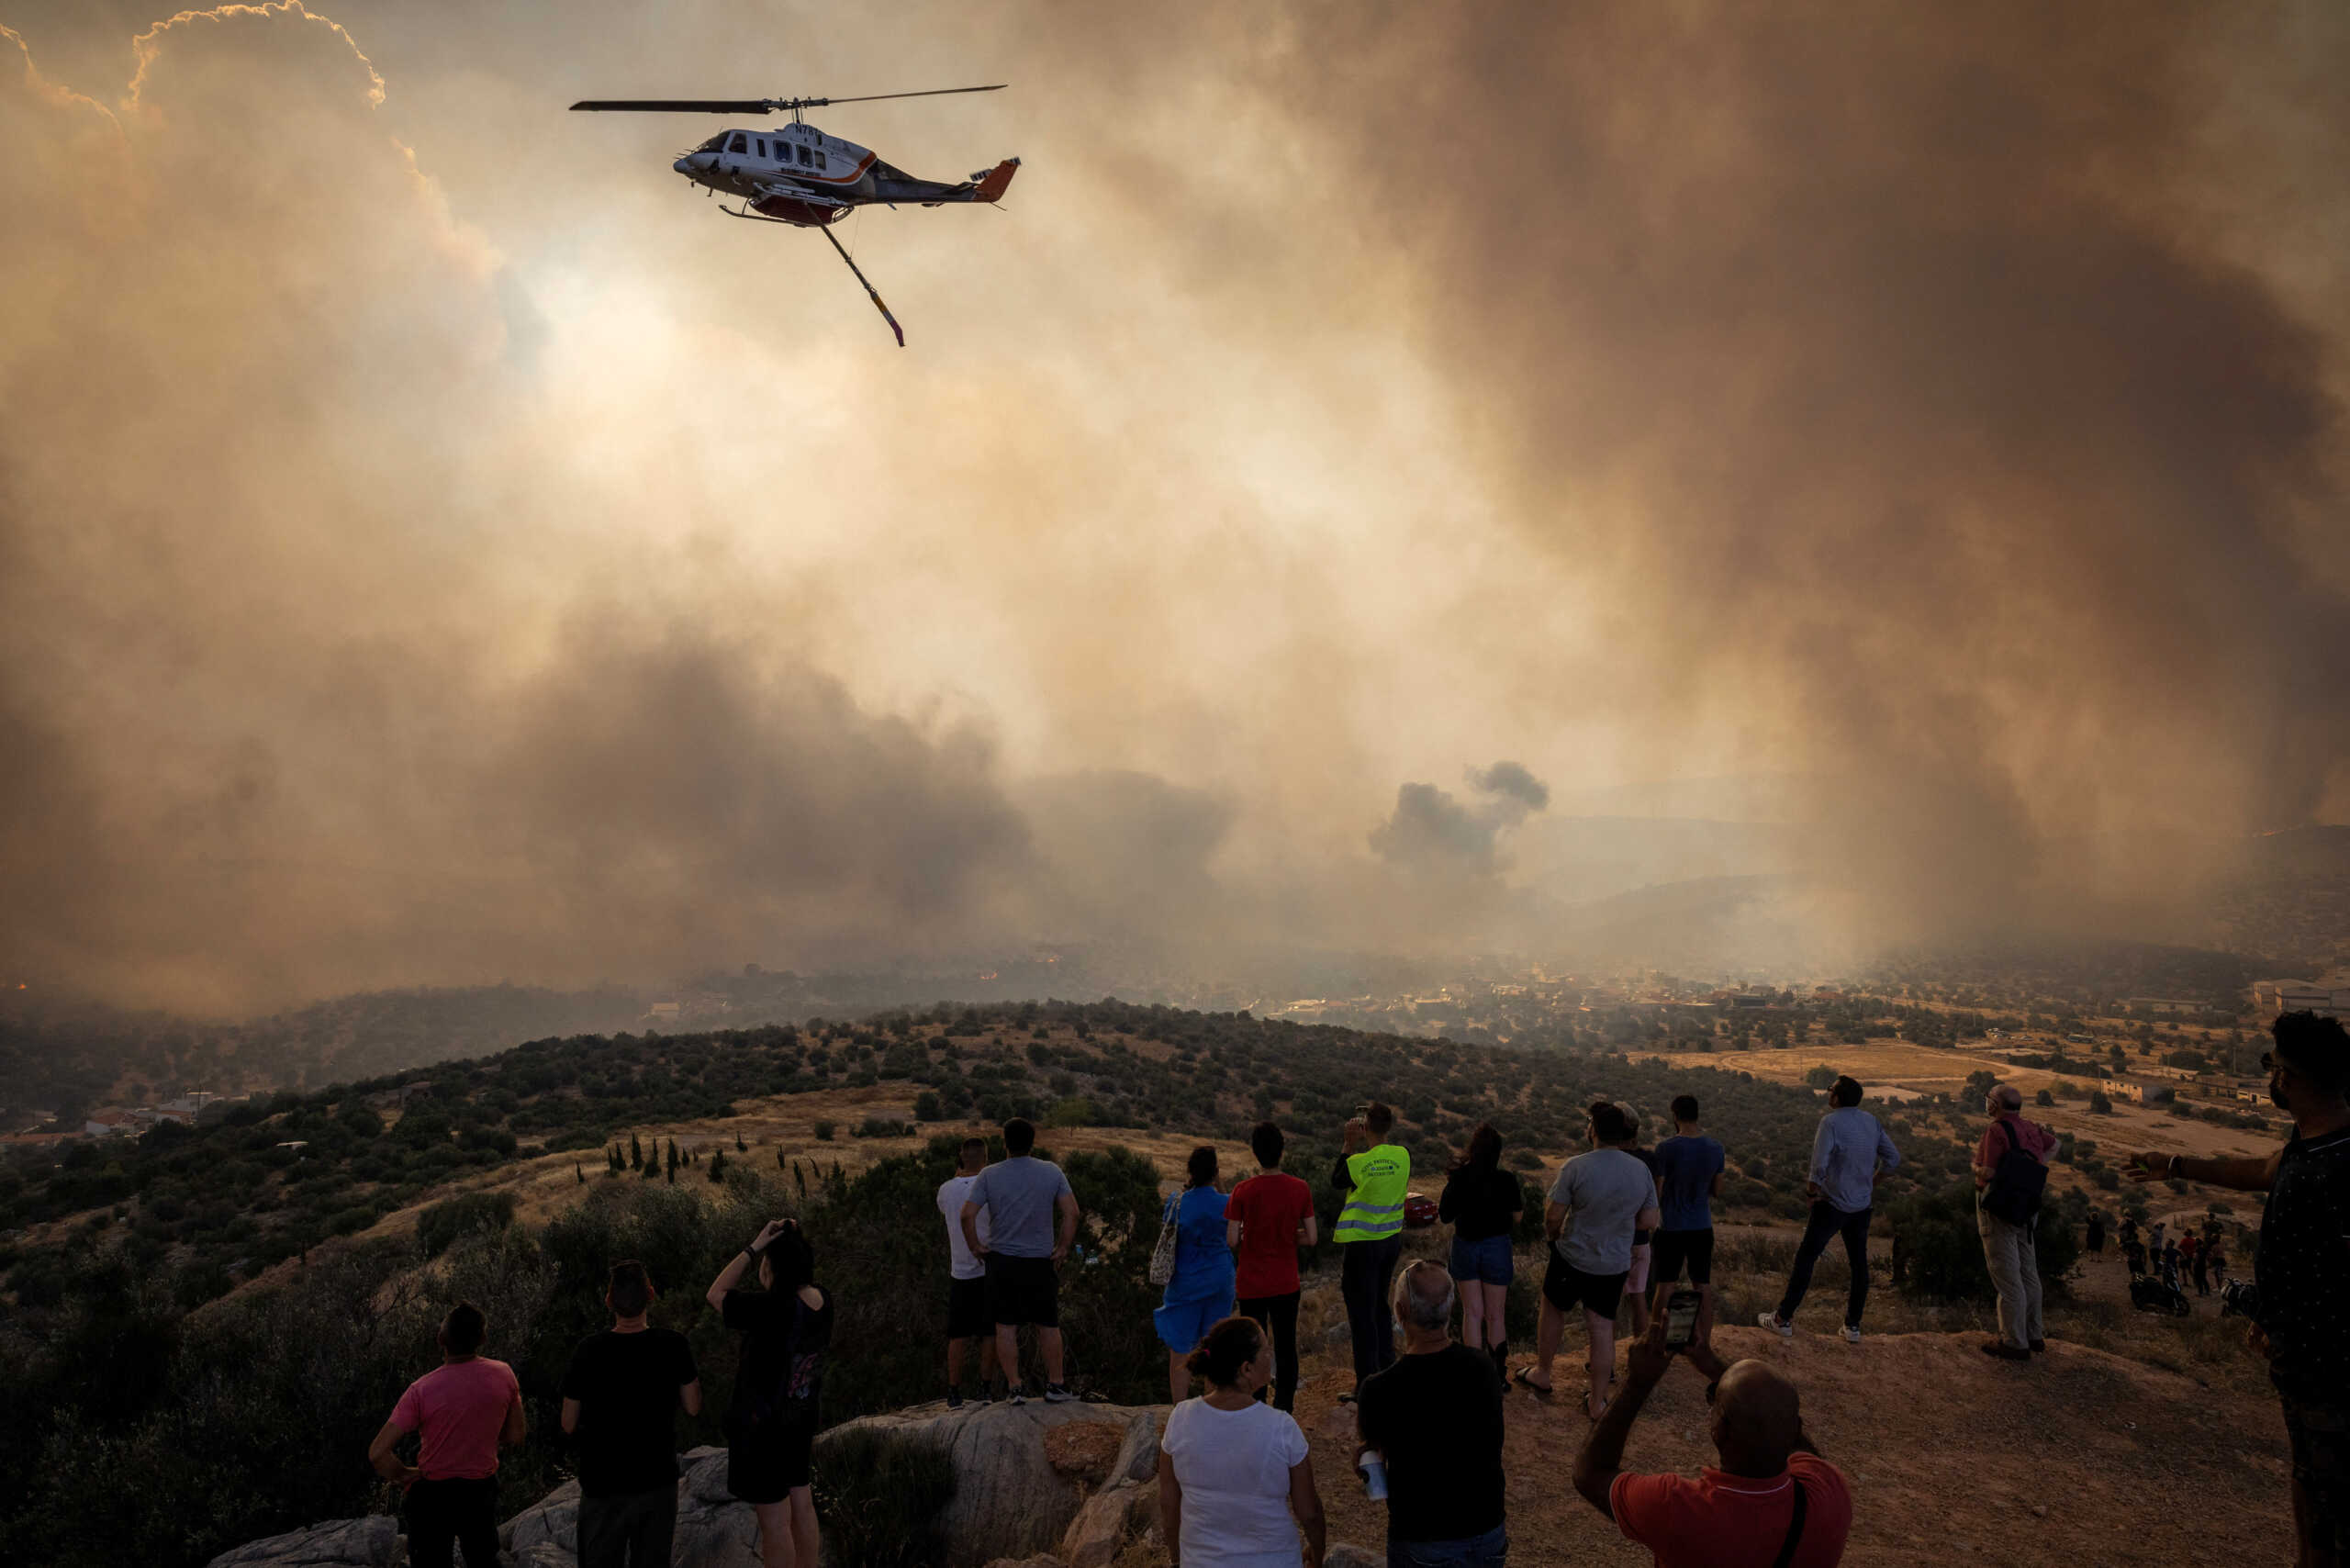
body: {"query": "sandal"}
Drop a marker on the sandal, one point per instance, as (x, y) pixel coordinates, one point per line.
(1523, 1380)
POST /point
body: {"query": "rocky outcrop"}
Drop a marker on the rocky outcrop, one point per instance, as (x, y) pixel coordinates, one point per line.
(714, 1530)
(1126, 1502)
(1066, 1484)
(1011, 1498)
(373, 1542)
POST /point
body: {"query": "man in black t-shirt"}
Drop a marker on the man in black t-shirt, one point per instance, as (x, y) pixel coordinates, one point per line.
(1434, 1419)
(2302, 1270)
(620, 1401)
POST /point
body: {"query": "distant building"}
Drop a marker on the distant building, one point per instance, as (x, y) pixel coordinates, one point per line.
(2145, 1091)
(111, 1122)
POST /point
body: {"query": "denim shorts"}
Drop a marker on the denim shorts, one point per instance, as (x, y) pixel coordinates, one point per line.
(1488, 1261)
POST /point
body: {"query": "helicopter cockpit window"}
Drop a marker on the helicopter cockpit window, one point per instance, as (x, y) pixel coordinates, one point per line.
(820, 157)
(740, 144)
(713, 144)
(804, 155)
(763, 146)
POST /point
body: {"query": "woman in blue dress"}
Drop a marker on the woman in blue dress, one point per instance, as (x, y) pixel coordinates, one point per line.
(1200, 1293)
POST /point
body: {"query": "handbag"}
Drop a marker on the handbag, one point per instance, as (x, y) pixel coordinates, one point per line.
(1162, 1257)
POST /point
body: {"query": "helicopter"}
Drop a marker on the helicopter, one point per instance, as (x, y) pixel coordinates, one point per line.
(799, 175)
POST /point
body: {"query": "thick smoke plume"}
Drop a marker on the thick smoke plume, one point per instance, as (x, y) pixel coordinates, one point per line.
(433, 547)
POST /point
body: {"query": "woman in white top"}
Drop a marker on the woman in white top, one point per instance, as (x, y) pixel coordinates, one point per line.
(1232, 1470)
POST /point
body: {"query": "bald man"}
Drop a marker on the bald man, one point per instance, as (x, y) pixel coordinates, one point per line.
(2010, 1176)
(1771, 1503)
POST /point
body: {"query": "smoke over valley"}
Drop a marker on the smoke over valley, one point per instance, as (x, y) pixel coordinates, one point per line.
(1390, 481)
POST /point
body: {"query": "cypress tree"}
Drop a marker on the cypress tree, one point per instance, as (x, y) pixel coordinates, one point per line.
(635, 1154)
(717, 1166)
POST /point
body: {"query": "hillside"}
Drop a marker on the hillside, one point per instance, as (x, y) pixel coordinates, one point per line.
(139, 1271)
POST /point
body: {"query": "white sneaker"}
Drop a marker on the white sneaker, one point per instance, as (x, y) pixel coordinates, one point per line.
(1851, 1334)
(1771, 1320)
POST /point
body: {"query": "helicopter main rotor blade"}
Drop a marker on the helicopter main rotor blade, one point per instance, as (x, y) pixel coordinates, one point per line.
(876, 97)
(682, 106)
(764, 106)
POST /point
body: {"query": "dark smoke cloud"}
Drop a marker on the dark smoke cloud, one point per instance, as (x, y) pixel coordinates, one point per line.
(1924, 392)
(1433, 834)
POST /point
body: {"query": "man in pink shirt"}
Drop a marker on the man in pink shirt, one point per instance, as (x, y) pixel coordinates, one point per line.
(2010, 1176)
(462, 1410)
(1773, 1502)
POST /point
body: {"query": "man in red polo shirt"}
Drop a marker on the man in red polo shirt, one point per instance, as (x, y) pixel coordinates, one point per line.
(1771, 1503)
(1269, 1216)
(464, 1409)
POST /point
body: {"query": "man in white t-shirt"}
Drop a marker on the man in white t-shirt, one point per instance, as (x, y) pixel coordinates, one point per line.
(967, 1288)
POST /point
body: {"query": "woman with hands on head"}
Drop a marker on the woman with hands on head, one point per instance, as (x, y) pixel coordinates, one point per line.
(771, 1426)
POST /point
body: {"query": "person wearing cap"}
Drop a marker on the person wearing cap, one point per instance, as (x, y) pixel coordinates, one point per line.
(2301, 1271)
(2010, 1171)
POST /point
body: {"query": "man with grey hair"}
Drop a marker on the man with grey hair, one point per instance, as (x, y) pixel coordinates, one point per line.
(1434, 1418)
(2011, 1177)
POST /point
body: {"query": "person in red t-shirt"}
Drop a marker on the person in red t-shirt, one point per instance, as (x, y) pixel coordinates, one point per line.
(463, 1410)
(1772, 1500)
(1269, 1217)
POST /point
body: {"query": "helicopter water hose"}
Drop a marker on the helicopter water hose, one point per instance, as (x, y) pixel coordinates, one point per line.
(873, 292)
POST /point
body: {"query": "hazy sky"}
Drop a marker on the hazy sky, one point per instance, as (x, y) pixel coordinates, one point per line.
(435, 545)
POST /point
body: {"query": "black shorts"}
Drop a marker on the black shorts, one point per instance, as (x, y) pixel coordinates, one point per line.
(1023, 1290)
(966, 1309)
(1563, 1286)
(765, 1469)
(1674, 1248)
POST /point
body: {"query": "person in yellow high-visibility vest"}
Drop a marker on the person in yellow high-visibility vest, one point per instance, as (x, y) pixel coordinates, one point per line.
(1370, 1175)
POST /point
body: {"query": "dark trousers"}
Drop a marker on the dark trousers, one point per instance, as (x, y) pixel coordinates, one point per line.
(1279, 1314)
(631, 1530)
(2202, 1276)
(446, 1514)
(1828, 1220)
(1365, 1271)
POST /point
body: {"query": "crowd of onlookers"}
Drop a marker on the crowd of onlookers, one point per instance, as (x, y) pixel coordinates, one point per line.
(1624, 1222)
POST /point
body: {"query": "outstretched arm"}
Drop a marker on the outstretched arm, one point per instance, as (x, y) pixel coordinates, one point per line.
(2245, 1174)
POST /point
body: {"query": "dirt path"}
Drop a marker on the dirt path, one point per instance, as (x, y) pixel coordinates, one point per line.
(2083, 1460)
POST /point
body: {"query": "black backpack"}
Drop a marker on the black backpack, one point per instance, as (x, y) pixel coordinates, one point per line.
(2018, 1182)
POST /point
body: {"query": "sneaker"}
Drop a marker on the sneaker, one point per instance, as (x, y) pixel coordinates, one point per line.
(2039, 1346)
(1771, 1320)
(986, 1396)
(954, 1399)
(1019, 1396)
(1999, 1350)
(1851, 1334)
(1055, 1394)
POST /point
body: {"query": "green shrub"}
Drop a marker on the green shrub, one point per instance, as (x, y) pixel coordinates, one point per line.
(824, 1130)
(879, 1495)
(1938, 1248)
(438, 1226)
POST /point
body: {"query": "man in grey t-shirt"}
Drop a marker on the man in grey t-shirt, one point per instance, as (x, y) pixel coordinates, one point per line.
(1032, 1222)
(1599, 1199)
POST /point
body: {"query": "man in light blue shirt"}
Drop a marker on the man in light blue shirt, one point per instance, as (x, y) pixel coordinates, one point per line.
(1850, 1155)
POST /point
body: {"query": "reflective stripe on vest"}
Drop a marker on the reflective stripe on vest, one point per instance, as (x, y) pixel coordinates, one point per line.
(1374, 1209)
